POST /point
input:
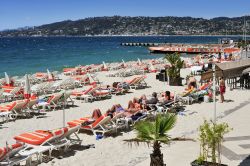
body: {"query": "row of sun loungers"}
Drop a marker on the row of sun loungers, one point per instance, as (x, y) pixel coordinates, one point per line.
(36, 143)
(23, 108)
(26, 107)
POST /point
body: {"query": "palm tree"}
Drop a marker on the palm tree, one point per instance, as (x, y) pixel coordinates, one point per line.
(155, 133)
(176, 65)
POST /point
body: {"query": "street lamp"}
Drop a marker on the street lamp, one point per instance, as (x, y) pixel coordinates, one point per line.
(214, 94)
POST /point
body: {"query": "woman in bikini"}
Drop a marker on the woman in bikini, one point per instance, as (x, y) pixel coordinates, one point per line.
(222, 89)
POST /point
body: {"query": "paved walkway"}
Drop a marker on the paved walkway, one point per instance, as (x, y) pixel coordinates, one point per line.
(236, 147)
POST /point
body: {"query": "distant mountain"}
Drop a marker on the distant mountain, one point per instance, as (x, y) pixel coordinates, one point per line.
(117, 25)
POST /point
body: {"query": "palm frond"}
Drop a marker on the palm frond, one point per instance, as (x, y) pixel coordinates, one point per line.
(151, 131)
(164, 139)
(167, 123)
(144, 130)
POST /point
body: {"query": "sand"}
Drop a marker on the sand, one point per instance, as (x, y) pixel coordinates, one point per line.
(114, 151)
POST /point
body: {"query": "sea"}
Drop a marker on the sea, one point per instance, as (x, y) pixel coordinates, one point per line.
(26, 55)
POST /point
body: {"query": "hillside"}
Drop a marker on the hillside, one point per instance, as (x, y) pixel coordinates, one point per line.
(118, 25)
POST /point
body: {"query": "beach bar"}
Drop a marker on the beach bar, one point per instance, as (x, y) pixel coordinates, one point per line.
(232, 71)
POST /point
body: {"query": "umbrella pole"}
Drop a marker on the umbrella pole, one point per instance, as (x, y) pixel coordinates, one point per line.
(7, 150)
(64, 102)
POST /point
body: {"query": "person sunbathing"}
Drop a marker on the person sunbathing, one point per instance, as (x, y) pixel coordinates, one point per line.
(192, 83)
(117, 108)
(96, 114)
(144, 102)
(134, 106)
(166, 98)
(89, 120)
(134, 110)
(153, 99)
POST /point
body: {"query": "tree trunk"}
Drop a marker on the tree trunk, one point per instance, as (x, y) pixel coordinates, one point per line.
(156, 157)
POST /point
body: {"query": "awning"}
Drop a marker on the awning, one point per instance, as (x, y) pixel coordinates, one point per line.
(247, 70)
(228, 69)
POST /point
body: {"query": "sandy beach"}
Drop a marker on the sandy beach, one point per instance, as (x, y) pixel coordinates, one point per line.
(114, 151)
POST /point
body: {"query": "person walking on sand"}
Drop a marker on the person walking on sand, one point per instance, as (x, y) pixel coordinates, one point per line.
(222, 89)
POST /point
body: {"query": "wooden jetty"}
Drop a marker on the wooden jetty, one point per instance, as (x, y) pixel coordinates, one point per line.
(142, 44)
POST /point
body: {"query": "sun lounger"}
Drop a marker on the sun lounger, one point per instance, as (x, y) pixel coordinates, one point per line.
(52, 102)
(16, 108)
(101, 93)
(118, 120)
(66, 99)
(9, 154)
(139, 82)
(11, 93)
(42, 141)
(86, 95)
(72, 130)
(101, 125)
(32, 106)
(6, 116)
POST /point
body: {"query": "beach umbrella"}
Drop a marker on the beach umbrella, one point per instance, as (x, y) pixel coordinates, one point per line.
(27, 88)
(139, 62)
(151, 67)
(124, 63)
(91, 79)
(7, 79)
(50, 77)
(247, 70)
(104, 65)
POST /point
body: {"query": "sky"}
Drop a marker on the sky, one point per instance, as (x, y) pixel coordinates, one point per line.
(21, 13)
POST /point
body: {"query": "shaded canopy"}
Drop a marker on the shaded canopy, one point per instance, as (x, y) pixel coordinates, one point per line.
(228, 69)
(247, 70)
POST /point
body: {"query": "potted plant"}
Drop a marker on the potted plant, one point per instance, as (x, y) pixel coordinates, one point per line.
(174, 70)
(211, 138)
(154, 132)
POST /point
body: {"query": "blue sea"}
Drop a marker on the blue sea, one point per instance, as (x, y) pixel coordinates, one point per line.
(29, 55)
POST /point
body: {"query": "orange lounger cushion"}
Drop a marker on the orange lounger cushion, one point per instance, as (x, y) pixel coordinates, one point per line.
(78, 122)
(82, 92)
(40, 136)
(93, 125)
(205, 86)
(101, 92)
(7, 107)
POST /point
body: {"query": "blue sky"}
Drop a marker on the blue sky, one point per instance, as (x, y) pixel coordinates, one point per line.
(20, 13)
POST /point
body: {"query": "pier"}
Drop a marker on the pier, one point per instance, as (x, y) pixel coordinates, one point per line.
(142, 44)
(194, 48)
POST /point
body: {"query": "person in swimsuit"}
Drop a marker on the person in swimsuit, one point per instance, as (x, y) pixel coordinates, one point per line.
(222, 89)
